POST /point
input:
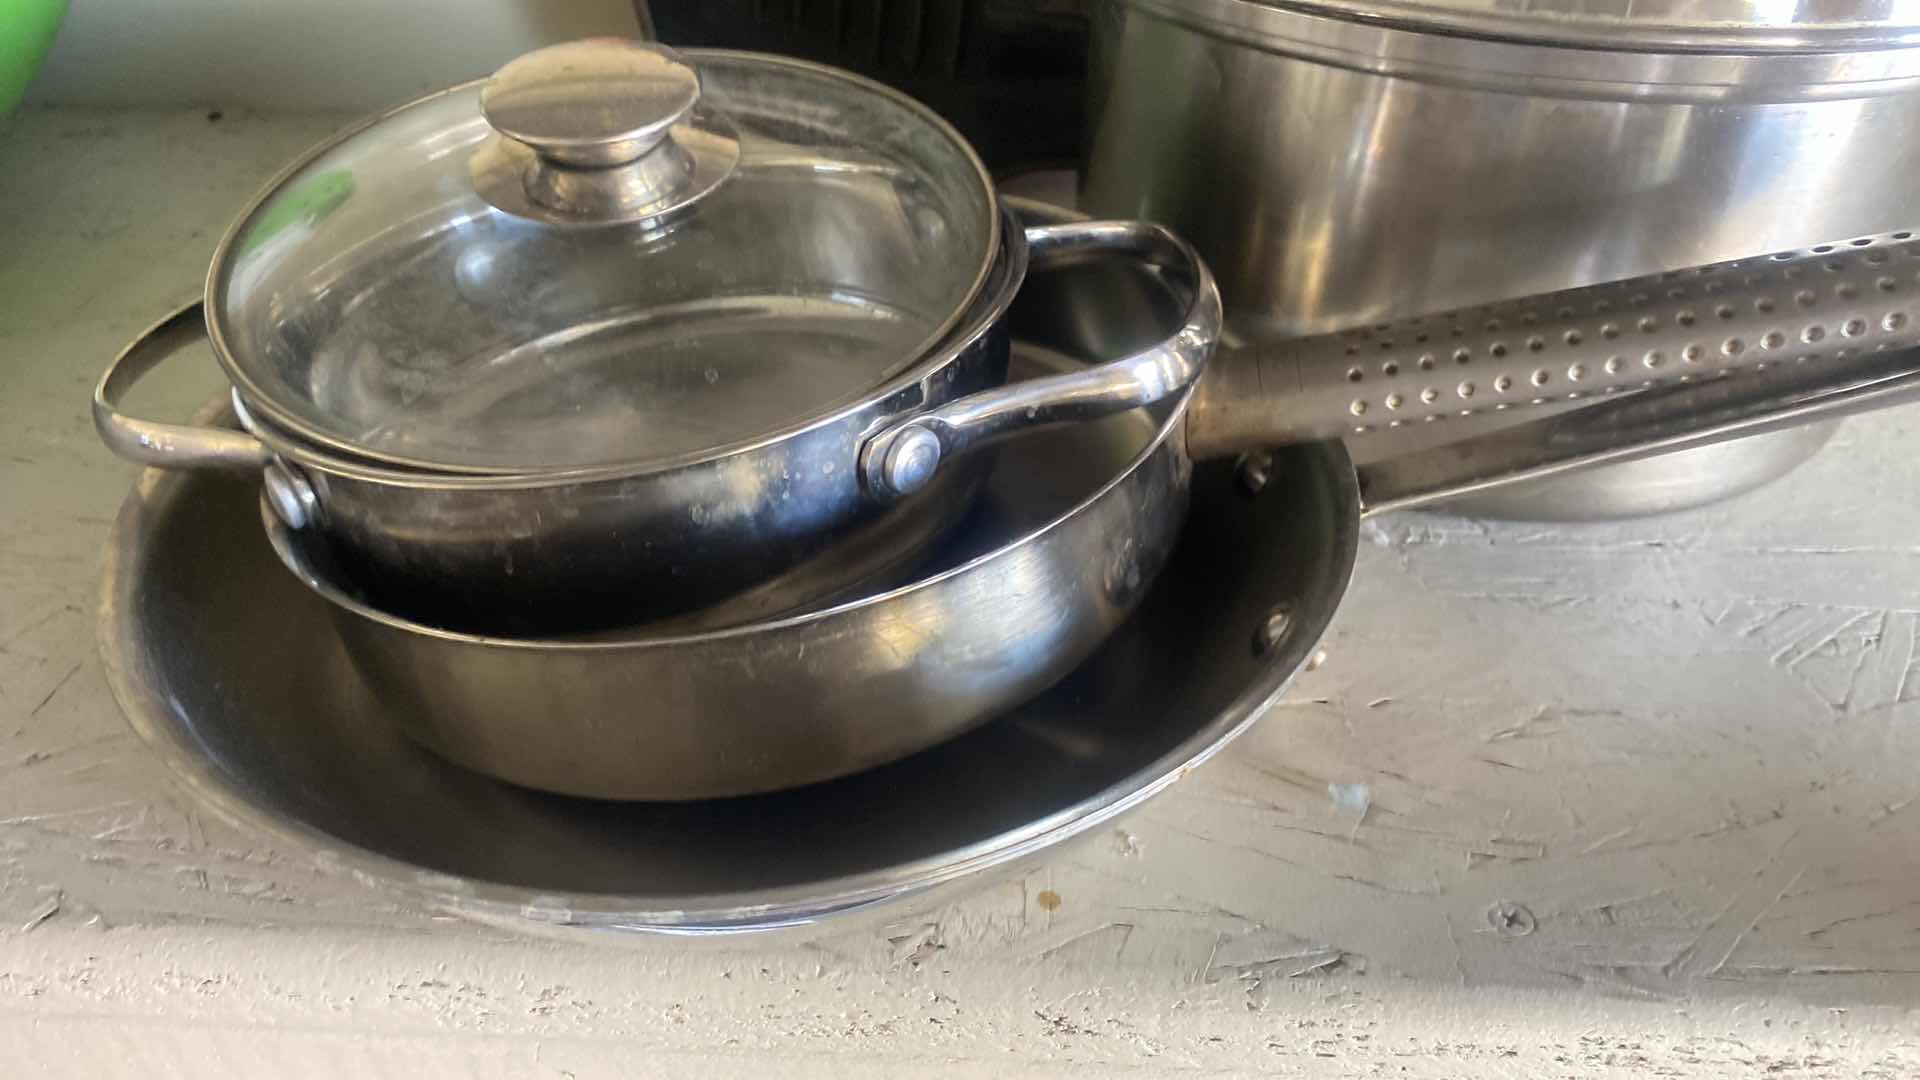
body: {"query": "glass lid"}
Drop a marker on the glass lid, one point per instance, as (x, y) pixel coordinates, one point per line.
(608, 254)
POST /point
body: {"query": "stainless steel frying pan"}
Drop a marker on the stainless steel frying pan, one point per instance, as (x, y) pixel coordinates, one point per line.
(236, 681)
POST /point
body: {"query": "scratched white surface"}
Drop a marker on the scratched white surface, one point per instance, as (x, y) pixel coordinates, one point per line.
(1608, 800)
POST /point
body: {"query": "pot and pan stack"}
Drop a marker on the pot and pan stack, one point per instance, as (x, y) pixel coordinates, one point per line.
(581, 389)
(608, 333)
(745, 314)
(1676, 362)
(236, 677)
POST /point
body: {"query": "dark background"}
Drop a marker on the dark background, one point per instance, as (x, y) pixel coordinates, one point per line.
(1007, 73)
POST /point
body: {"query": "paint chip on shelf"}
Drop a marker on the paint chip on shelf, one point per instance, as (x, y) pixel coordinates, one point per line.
(1353, 798)
(46, 909)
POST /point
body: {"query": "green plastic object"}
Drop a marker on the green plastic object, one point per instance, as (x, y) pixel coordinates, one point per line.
(27, 28)
(304, 204)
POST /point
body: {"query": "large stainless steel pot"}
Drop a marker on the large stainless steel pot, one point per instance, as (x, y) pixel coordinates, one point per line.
(607, 334)
(1343, 163)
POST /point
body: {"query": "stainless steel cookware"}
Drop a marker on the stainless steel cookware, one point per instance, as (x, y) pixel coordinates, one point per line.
(236, 680)
(1808, 308)
(1342, 163)
(726, 539)
(609, 331)
(772, 705)
(778, 704)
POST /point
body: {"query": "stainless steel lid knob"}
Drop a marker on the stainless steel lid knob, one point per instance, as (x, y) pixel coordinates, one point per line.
(593, 103)
(605, 130)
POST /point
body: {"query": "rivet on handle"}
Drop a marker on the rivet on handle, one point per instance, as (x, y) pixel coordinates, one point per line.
(290, 495)
(1273, 629)
(909, 461)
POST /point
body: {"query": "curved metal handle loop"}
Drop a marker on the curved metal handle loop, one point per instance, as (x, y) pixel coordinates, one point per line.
(170, 446)
(903, 458)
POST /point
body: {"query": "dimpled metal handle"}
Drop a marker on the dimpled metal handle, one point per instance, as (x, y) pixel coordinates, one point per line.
(1631, 426)
(1832, 301)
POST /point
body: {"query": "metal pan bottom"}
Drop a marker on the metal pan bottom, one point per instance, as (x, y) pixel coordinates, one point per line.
(231, 671)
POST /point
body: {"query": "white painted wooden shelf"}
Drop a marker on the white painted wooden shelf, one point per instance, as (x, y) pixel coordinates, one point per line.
(1586, 800)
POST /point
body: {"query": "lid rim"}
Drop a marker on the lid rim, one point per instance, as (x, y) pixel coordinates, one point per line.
(1571, 24)
(983, 316)
(298, 430)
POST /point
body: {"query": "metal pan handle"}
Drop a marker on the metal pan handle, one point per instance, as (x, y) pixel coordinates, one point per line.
(1642, 425)
(150, 442)
(1832, 300)
(902, 458)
